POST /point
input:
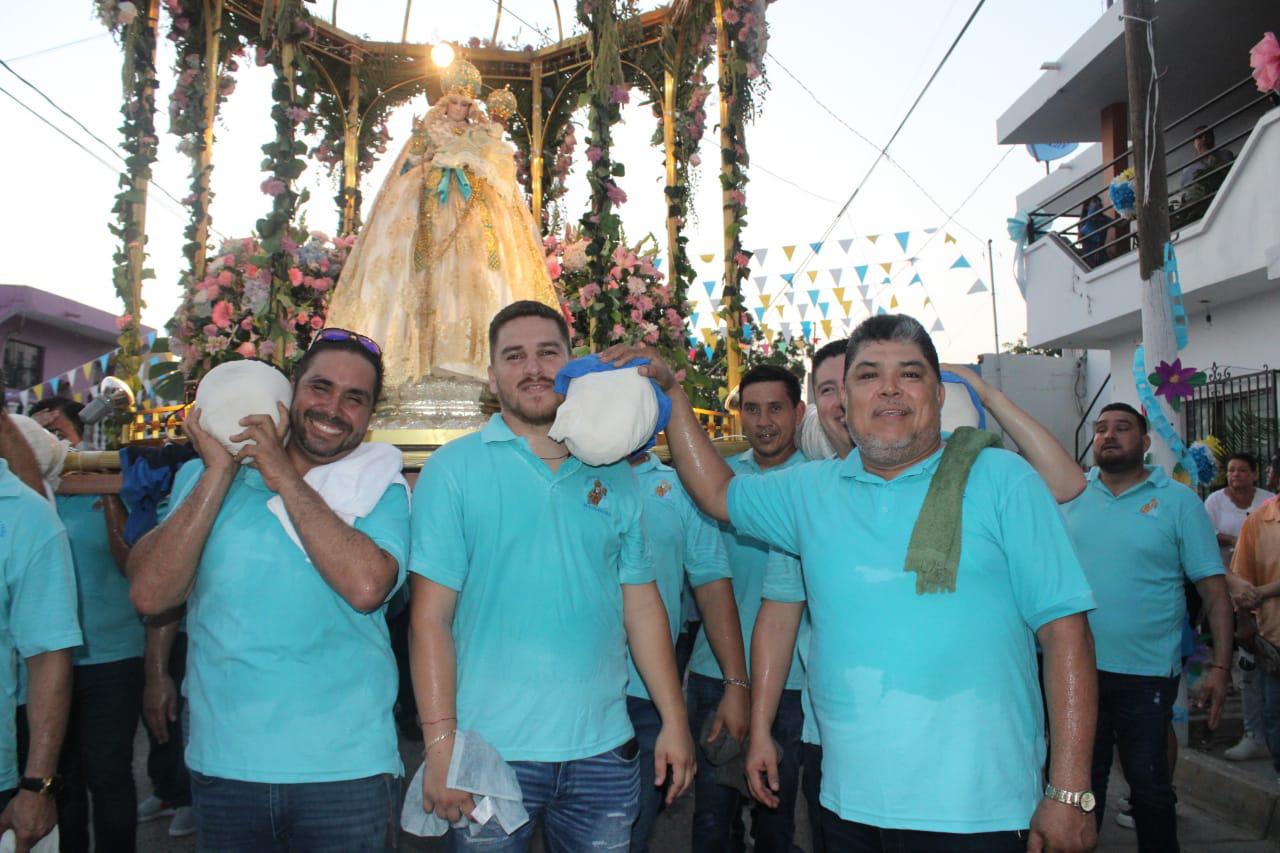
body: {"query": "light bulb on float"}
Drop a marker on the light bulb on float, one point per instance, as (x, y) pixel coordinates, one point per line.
(442, 55)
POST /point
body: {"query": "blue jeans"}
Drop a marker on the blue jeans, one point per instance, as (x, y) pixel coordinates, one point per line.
(647, 723)
(1269, 687)
(1134, 713)
(587, 804)
(811, 784)
(850, 837)
(717, 824)
(317, 817)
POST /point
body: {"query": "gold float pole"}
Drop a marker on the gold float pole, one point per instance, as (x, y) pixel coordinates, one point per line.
(732, 321)
(204, 157)
(669, 144)
(350, 149)
(536, 133)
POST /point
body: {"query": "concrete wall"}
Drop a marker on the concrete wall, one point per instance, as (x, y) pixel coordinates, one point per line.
(1054, 391)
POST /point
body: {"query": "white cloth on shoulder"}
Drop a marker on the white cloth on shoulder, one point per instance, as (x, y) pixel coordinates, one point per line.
(352, 486)
(477, 768)
(606, 416)
(49, 450)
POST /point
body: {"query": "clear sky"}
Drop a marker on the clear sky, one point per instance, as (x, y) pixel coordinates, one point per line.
(865, 61)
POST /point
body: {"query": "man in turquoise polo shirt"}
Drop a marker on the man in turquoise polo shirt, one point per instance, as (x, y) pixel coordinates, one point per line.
(1140, 535)
(290, 678)
(771, 411)
(106, 687)
(685, 544)
(531, 574)
(37, 624)
(927, 704)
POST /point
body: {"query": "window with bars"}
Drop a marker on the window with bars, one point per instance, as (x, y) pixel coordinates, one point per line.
(23, 364)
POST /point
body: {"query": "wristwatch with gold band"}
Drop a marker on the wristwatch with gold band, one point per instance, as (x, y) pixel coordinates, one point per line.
(41, 785)
(1082, 800)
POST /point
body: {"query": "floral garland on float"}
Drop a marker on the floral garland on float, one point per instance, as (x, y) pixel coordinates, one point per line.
(371, 143)
(232, 313)
(137, 36)
(742, 88)
(707, 376)
(632, 304)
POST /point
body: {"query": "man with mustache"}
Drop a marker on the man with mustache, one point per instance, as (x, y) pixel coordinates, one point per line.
(531, 576)
(926, 697)
(290, 677)
(1140, 535)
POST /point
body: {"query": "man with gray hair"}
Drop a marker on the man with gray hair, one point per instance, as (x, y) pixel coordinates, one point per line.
(923, 667)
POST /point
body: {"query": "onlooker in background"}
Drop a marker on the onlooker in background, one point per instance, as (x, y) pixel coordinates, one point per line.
(1093, 232)
(1272, 476)
(1228, 508)
(106, 687)
(1257, 561)
(1202, 177)
(165, 664)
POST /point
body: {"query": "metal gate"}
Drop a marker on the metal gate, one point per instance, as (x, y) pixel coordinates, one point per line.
(1240, 410)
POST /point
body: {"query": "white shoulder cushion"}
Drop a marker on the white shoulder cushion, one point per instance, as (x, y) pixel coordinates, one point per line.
(235, 390)
(606, 416)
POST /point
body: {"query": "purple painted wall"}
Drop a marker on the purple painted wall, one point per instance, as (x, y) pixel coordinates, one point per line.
(70, 332)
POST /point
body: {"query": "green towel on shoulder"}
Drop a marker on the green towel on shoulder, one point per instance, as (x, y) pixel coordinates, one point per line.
(934, 552)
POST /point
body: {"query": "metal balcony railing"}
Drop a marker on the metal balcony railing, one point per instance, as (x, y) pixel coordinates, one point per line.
(1095, 236)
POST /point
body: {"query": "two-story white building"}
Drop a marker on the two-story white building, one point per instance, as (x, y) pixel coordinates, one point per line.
(1082, 283)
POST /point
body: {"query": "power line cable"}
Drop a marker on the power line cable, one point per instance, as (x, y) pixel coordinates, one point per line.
(792, 183)
(57, 47)
(503, 8)
(885, 150)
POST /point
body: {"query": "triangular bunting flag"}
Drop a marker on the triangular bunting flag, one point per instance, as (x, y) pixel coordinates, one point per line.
(813, 275)
(807, 330)
(760, 280)
(760, 253)
(847, 306)
(804, 311)
(915, 279)
(657, 263)
(817, 247)
(930, 230)
(839, 293)
(868, 303)
(708, 336)
(780, 309)
(863, 288)
(873, 238)
(788, 276)
(760, 314)
(790, 296)
(693, 319)
(886, 280)
(888, 268)
(786, 331)
(835, 274)
(765, 299)
(903, 237)
(880, 311)
(947, 238)
(710, 286)
(87, 369)
(960, 264)
(826, 326)
(706, 259)
(937, 325)
(823, 306)
(788, 251)
(845, 244)
(927, 300)
(861, 271)
(978, 287)
(813, 296)
(893, 302)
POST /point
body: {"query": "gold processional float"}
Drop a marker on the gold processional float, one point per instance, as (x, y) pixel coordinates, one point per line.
(451, 209)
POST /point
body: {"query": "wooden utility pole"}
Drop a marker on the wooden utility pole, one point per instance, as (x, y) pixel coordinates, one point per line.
(1152, 190)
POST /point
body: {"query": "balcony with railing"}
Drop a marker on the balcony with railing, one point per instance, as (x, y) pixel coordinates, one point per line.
(1224, 189)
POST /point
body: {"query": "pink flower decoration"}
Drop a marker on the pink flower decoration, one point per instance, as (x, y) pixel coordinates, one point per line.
(274, 186)
(616, 194)
(221, 314)
(322, 284)
(619, 95)
(731, 16)
(1264, 59)
(594, 154)
(247, 350)
(295, 276)
(266, 349)
(123, 320)
(317, 322)
(554, 269)
(225, 278)
(210, 330)
(246, 323)
(618, 332)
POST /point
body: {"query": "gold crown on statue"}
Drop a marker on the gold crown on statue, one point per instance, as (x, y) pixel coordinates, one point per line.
(461, 78)
(501, 103)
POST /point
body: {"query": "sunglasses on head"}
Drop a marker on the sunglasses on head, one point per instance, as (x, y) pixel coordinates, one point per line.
(336, 335)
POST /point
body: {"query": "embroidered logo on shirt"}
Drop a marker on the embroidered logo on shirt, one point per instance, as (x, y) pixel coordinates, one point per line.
(1151, 508)
(597, 494)
(663, 489)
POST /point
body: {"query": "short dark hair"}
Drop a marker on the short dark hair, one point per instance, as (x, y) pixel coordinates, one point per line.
(892, 327)
(1125, 407)
(828, 350)
(527, 308)
(1205, 133)
(1247, 458)
(350, 346)
(70, 410)
(771, 373)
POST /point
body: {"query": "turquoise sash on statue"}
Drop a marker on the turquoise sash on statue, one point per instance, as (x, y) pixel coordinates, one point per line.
(460, 177)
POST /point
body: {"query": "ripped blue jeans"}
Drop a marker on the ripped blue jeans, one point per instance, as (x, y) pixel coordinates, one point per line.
(587, 804)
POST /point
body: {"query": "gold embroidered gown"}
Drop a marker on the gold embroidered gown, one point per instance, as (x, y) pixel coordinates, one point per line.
(448, 243)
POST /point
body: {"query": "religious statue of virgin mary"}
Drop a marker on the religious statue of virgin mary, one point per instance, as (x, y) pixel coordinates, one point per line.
(449, 241)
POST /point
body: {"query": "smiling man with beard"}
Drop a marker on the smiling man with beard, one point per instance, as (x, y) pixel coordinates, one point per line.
(531, 575)
(927, 701)
(290, 676)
